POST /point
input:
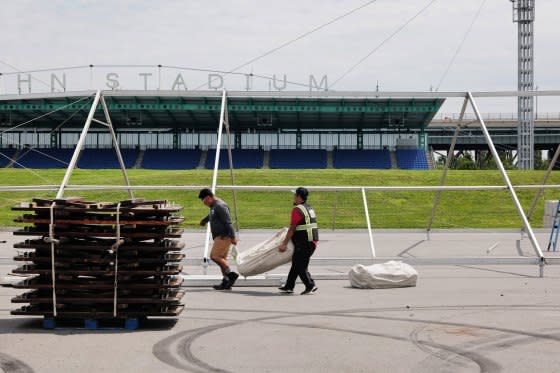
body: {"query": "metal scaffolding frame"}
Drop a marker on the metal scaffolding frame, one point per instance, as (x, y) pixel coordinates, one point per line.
(223, 122)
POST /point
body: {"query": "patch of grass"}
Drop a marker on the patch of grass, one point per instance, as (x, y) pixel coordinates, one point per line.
(458, 209)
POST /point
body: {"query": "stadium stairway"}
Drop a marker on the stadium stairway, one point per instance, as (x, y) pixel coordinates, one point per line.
(329, 159)
(393, 159)
(203, 156)
(266, 159)
(138, 163)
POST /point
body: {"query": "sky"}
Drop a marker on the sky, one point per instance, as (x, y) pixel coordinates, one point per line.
(221, 35)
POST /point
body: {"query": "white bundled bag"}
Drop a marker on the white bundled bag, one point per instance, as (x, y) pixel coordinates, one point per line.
(392, 274)
(264, 256)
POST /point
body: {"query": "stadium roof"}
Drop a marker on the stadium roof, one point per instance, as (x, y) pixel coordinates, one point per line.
(200, 110)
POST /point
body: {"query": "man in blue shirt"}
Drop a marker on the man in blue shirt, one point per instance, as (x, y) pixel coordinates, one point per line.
(223, 235)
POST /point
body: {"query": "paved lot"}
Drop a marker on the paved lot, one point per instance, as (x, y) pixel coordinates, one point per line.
(489, 318)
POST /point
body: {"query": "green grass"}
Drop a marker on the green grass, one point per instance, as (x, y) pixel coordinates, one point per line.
(458, 209)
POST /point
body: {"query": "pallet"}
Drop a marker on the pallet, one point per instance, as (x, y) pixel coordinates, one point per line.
(86, 249)
(100, 244)
(92, 324)
(36, 297)
(40, 282)
(97, 313)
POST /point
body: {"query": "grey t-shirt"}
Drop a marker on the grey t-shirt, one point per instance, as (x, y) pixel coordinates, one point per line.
(220, 220)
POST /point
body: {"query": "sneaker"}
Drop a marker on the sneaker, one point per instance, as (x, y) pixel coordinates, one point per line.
(232, 277)
(309, 291)
(286, 290)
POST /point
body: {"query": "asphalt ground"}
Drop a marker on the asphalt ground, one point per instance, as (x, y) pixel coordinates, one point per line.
(459, 318)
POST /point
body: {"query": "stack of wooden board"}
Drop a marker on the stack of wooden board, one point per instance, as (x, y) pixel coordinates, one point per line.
(111, 260)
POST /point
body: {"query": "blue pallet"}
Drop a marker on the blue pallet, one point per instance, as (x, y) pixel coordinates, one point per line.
(93, 324)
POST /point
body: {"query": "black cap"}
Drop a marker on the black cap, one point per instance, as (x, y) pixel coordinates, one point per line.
(205, 193)
(302, 192)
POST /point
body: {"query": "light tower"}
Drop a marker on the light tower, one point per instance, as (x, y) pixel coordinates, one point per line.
(524, 16)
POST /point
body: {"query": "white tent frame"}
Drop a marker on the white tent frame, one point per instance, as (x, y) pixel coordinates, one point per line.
(468, 99)
(80, 144)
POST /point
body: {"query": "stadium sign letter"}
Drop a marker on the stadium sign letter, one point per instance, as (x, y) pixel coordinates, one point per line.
(112, 81)
(283, 85)
(213, 78)
(313, 83)
(61, 83)
(28, 81)
(178, 82)
(145, 75)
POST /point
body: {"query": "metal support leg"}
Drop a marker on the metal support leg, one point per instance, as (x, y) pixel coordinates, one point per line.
(116, 145)
(504, 174)
(545, 179)
(79, 146)
(230, 159)
(437, 196)
(368, 223)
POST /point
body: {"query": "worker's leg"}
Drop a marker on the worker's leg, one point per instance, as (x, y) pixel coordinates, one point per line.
(303, 265)
(292, 275)
(219, 253)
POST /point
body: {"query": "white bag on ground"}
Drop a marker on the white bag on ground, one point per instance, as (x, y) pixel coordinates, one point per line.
(392, 274)
(264, 256)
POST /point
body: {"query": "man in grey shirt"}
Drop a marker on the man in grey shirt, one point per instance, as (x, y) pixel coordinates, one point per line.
(223, 235)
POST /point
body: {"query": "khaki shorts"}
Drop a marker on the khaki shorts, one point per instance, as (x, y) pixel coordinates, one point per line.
(220, 248)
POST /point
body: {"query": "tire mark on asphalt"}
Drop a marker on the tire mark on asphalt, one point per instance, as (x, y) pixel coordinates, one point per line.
(10, 364)
(176, 349)
(172, 350)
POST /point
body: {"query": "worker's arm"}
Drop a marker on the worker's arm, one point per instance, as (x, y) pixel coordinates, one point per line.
(284, 245)
(205, 220)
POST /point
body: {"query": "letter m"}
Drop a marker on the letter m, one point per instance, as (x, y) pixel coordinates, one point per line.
(313, 83)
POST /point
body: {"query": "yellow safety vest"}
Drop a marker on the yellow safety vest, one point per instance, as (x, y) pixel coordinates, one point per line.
(310, 223)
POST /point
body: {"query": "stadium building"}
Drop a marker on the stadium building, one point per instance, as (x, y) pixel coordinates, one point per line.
(178, 130)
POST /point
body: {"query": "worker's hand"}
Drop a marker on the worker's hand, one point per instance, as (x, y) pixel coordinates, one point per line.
(203, 222)
(234, 241)
(283, 247)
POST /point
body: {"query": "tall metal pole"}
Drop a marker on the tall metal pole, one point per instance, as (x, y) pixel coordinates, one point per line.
(215, 174)
(524, 16)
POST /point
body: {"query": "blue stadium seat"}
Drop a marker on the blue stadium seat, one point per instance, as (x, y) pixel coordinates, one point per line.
(6, 155)
(106, 158)
(44, 158)
(298, 159)
(371, 159)
(412, 159)
(242, 158)
(171, 159)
